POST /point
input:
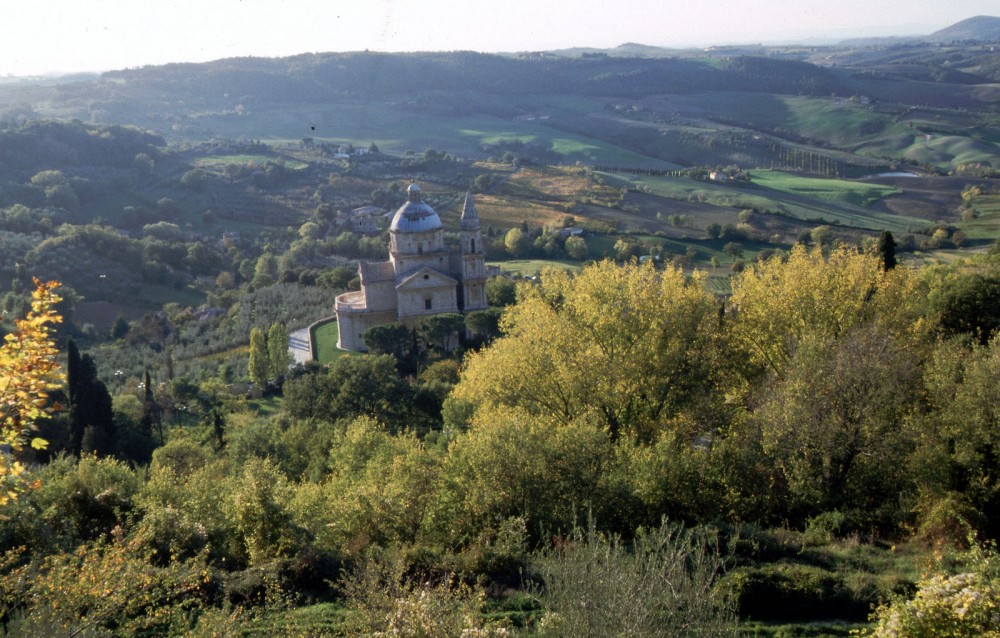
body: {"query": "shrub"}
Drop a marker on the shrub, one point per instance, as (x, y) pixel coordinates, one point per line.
(387, 601)
(962, 605)
(665, 585)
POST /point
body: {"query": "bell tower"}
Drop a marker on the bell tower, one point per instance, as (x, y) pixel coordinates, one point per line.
(473, 258)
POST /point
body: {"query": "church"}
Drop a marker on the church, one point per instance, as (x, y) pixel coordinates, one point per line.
(422, 277)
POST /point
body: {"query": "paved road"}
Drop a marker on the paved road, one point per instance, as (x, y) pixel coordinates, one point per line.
(298, 346)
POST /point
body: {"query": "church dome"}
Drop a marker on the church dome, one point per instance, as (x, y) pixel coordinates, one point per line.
(414, 216)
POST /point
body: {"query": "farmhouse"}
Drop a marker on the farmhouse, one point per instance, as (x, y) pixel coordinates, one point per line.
(422, 277)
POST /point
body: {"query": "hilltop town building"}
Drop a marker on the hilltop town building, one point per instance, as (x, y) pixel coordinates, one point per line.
(422, 277)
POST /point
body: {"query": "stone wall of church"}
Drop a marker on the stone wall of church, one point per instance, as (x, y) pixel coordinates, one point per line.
(351, 326)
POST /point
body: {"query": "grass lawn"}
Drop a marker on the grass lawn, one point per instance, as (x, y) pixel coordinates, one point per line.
(325, 342)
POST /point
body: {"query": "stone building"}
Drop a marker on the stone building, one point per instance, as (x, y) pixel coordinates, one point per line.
(422, 277)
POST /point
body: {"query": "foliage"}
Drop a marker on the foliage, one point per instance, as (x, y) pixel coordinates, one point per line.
(278, 357)
(259, 366)
(387, 601)
(957, 435)
(378, 492)
(965, 604)
(630, 346)
(356, 385)
(107, 587)
(663, 585)
(28, 373)
(822, 296)
(514, 463)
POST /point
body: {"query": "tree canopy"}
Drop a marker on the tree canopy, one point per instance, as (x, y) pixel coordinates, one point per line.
(630, 346)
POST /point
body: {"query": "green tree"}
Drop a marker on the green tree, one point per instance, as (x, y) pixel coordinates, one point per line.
(354, 385)
(92, 425)
(259, 366)
(576, 248)
(886, 248)
(438, 330)
(733, 249)
(279, 359)
(831, 426)
(517, 242)
(500, 291)
(484, 323)
(394, 339)
(265, 271)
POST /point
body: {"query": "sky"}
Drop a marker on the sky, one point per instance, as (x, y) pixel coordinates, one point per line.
(47, 36)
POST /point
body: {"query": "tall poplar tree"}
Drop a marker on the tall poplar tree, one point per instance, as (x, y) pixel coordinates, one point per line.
(277, 350)
(259, 365)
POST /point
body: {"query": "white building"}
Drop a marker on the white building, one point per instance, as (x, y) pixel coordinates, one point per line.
(421, 278)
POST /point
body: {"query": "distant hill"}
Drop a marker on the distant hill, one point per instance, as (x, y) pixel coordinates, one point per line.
(979, 28)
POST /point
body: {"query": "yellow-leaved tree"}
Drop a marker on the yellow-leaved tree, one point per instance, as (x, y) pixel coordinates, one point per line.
(817, 295)
(28, 372)
(629, 346)
(838, 341)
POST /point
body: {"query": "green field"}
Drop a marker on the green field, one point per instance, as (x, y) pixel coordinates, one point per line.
(324, 339)
(824, 201)
(531, 267)
(986, 225)
(212, 161)
(828, 190)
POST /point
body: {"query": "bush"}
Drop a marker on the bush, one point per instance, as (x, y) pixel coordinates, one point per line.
(787, 592)
(665, 585)
(962, 605)
(386, 600)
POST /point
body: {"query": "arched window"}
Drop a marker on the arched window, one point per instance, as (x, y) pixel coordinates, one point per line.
(473, 244)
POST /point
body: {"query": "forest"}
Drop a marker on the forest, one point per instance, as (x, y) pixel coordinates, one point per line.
(738, 374)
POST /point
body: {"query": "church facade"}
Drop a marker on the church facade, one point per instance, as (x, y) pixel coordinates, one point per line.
(422, 276)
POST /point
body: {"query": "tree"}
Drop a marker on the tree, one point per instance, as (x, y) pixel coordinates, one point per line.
(265, 271)
(259, 366)
(28, 373)
(279, 359)
(516, 242)
(886, 249)
(733, 249)
(965, 297)
(354, 385)
(831, 425)
(437, 330)
(151, 420)
(713, 230)
(629, 345)
(484, 323)
(783, 301)
(90, 411)
(576, 248)
(120, 328)
(501, 291)
(393, 339)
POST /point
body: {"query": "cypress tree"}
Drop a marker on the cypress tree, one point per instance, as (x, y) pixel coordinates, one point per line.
(887, 250)
(73, 382)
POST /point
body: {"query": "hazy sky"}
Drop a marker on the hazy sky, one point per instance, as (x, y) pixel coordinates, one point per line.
(38, 36)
